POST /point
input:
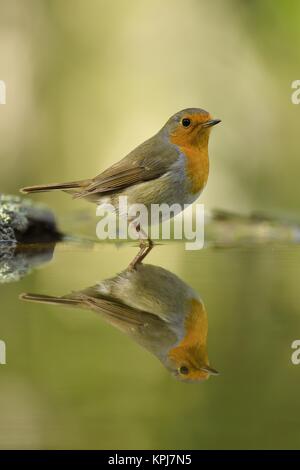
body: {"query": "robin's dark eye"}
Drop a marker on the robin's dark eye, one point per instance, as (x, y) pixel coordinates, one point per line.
(186, 122)
(184, 370)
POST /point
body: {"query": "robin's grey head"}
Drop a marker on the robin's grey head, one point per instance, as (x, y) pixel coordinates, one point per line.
(188, 125)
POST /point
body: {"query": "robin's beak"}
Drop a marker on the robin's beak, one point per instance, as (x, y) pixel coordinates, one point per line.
(210, 370)
(211, 122)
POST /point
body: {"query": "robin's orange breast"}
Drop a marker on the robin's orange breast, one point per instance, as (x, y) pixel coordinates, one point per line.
(197, 167)
(197, 162)
(195, 332)
(195, 324)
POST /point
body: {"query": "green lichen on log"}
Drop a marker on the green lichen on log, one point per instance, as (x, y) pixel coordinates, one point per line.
(21, 221)
(28, 234)
(16, 261)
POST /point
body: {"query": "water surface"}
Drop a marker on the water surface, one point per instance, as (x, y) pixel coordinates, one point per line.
(72, 380)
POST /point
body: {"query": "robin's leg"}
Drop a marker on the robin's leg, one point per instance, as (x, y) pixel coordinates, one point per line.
(146, 245)
(147, 250)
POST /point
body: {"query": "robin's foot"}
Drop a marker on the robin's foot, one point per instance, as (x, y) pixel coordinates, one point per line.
(145, 248)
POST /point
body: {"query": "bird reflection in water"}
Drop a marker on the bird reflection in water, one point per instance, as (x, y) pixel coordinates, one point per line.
(157, 310)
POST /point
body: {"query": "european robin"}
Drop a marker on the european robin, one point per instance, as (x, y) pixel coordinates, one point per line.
(171, 167)
(141, 303)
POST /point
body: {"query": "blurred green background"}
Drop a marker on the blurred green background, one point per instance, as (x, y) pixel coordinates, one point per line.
(87, 81)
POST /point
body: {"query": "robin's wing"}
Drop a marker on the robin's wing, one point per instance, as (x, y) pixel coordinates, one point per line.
(115, 311)
(149, 161)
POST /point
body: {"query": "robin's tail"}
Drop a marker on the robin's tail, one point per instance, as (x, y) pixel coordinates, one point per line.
(55, 187)
(48, 299)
